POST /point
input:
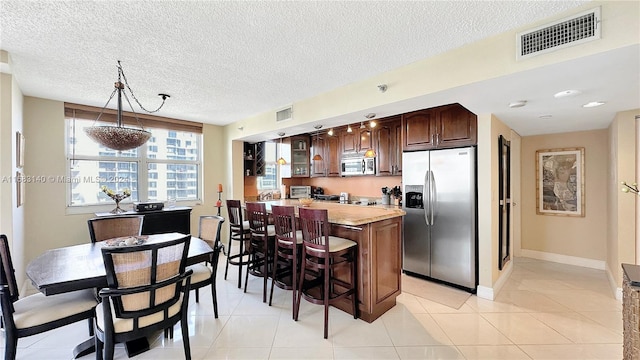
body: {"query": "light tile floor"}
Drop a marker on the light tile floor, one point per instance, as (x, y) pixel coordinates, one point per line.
(545, 311)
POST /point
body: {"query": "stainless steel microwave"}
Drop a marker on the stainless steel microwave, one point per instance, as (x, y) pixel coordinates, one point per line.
(297, 191)
(358, 166)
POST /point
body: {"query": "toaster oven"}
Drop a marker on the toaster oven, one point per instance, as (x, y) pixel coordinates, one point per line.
(299, 191)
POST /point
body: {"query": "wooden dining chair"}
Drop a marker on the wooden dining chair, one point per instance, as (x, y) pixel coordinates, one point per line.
(205, 274)
(109, 227)
(286, 251)
(238, 232)
(262, 238)
(326, 262)
(36, 313)
(148, 291)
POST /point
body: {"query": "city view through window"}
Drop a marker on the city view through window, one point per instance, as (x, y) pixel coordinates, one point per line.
(166, 168)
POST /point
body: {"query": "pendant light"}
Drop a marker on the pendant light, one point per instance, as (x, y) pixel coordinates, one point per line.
(120, 137)
(281, 160)
(317, 157)
(370, 153)
(349, 129)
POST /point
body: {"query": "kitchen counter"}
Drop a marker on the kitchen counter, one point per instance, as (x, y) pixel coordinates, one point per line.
(378, 231)
(348, 214)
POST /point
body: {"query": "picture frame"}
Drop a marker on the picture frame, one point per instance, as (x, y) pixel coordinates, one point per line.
(560, 182)
(19, 150)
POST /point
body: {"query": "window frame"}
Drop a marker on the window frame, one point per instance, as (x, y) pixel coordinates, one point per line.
(142, 160)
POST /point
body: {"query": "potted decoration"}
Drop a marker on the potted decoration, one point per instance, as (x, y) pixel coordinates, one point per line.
(117, 197)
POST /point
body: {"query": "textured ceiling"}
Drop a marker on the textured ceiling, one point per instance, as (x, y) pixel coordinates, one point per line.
(225, 61)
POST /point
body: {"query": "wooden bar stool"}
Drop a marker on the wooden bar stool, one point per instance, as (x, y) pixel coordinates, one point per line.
(238, 231)
(262, 238)
(322, 256)
(286, 252)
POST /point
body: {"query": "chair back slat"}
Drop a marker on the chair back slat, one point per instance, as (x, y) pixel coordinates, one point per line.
(7, 272)
(149, 266)
(103, 228)
(258, 218)
(234, 210)
(315, 228)
(284, 220)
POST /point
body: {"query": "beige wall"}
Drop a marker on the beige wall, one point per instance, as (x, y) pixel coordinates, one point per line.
(582, 237)
(49, 224)
(622, 152)
(11, 216)
(489, 129)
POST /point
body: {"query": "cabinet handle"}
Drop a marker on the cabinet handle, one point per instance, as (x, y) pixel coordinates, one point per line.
(433, 139)
(438, 139)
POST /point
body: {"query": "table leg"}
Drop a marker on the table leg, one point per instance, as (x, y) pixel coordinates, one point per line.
(133, 347)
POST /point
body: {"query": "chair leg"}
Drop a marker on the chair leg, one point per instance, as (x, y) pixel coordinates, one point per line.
(300, 287)
(109, 347)
(90, 321)
(214, 296)
(246, 275)
(185, 336)
(99, 348)
(294, 280)
(326, 299)
(11, 346)
(197, 295)
(265, 272)
(226, 268)
(273, 273)
(241, 255)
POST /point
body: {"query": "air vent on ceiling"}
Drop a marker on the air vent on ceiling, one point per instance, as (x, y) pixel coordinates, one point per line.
(577, 29)
(284, 114)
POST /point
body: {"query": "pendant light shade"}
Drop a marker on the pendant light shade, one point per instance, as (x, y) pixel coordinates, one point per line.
(370, 153)
(317, 157)
(120, 137)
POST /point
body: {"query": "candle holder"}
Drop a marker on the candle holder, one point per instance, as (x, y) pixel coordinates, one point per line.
(219, 201)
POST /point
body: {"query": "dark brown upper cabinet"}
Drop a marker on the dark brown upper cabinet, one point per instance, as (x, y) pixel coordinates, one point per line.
(441, 127)
(387, 137)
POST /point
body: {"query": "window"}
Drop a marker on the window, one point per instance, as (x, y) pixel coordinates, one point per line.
(270, 180)
(167, 167)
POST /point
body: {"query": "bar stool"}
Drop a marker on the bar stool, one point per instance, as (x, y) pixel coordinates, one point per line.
(286, 256)
(238, 231)
(262, 238)
(322, 256)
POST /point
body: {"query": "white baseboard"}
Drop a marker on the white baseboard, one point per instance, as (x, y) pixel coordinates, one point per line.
(564, 259)
(488, 293)
(614, 285)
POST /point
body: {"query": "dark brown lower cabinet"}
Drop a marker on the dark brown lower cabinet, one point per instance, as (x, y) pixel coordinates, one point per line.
(379, 265)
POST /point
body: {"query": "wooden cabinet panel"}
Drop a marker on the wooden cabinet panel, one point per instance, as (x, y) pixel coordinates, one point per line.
(418, 130)
(333, 155)
(349, 144)
(388, 145)
(379, 265)
(365, 140)
(441, 127)
(318, 145)
(456, 127)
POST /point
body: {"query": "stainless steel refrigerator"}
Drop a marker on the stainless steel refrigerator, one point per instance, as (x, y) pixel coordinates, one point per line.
(439, 197)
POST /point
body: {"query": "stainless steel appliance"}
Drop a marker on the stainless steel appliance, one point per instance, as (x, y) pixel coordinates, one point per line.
(344, 198)
(299, 191)
(358, 166)
(439, 197)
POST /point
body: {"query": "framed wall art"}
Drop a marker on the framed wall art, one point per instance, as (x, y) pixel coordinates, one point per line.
(560, 182)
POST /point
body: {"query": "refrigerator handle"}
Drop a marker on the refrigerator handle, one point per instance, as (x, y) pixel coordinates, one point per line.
(426, 205)
(433, 197)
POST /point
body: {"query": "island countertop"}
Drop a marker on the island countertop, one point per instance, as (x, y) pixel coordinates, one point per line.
(346, 214)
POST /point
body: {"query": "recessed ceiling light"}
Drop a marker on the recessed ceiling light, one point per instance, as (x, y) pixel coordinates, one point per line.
(545, 116)
(593, 104)
(566, 93)
(517, 104)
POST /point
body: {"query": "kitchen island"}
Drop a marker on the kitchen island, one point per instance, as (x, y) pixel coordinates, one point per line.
(378, 232)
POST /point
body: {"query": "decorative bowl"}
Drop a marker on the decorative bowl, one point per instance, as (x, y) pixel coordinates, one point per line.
(305, 201)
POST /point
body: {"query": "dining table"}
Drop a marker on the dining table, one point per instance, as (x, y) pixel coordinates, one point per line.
(79, 267)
